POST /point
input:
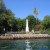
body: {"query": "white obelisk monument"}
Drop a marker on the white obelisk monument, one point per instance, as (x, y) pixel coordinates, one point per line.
(27, 27)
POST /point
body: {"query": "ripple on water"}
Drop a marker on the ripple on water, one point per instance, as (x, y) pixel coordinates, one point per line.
(33, 44)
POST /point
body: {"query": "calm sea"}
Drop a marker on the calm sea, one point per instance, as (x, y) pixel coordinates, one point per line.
(31, 44)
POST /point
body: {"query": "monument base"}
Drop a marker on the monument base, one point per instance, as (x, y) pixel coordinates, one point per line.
(27, 29)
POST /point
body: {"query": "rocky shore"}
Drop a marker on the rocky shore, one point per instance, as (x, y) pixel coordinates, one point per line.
(23, 36)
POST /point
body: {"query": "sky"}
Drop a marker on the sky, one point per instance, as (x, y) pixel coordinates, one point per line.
(23, 8)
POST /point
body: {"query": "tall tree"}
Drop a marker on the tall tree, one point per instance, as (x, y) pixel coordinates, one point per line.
(35, 13)
(2, 6)
(6, 17)
(46, 22)
(20, 24)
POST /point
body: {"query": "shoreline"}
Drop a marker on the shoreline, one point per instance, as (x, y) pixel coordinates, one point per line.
(23, 36)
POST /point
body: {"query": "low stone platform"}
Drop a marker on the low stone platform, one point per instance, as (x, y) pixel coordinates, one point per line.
(23, 36)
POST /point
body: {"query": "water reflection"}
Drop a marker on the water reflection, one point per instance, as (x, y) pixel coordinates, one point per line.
(28, 46)
(40, 44)
(32, 44)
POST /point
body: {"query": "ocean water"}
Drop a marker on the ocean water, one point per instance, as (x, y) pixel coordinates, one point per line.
(28, 44)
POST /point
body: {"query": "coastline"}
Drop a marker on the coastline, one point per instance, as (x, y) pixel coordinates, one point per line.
(23, 36)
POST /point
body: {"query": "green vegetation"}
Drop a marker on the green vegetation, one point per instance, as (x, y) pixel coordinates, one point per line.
(8, 21)
(35, 14)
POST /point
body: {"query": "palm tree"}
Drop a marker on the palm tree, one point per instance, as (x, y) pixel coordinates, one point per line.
(35, 13)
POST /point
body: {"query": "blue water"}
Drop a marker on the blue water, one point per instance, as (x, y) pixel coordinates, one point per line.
(31, 44)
